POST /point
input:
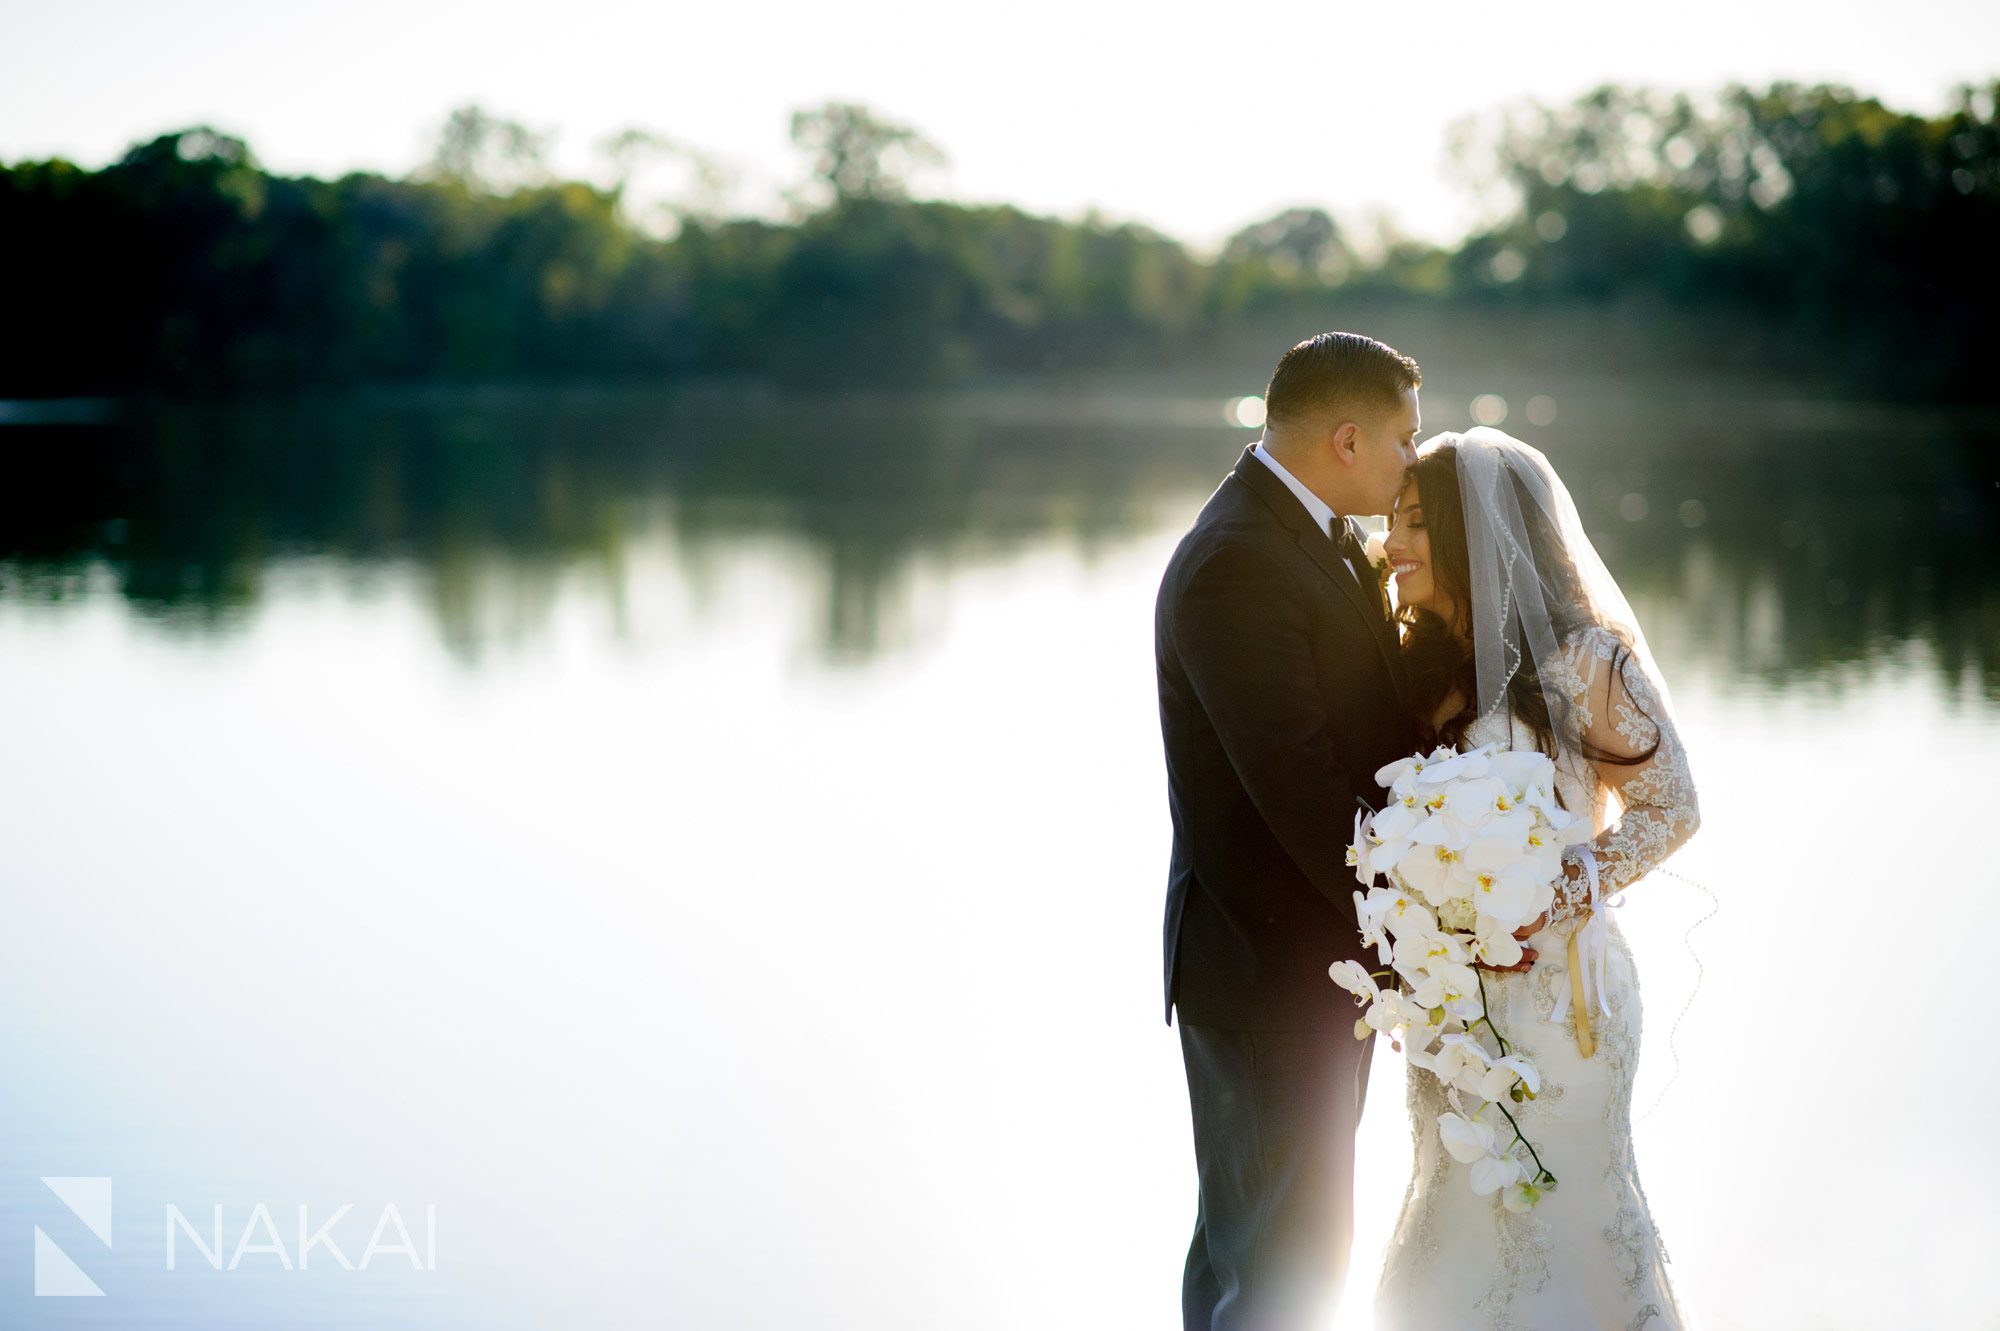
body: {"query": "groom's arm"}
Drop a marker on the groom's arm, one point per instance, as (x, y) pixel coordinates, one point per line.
(1240, 631)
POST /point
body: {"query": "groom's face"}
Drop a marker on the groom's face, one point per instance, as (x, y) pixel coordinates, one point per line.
(1385, 448)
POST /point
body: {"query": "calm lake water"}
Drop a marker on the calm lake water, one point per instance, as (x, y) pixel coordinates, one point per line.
(696, 862)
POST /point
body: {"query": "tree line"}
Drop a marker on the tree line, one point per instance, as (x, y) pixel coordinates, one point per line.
(187, 268)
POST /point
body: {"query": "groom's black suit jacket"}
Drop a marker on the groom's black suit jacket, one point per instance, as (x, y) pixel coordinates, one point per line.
(1279, 700)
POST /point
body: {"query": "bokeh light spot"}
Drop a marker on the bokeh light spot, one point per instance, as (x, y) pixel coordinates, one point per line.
(1704, 223)
(1247, 412)
(1541, 409)
(1489, 409)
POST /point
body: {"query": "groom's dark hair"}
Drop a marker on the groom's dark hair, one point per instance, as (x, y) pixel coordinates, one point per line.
(1337, 372)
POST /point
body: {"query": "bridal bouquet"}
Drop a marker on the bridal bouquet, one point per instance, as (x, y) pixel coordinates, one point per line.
(1470, 845)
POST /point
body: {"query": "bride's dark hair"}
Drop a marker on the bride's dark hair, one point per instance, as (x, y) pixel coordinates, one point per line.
(1438, 663)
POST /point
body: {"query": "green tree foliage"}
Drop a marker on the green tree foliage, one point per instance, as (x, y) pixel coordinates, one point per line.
(1275, 265)
(185, 267)
(858, 155)
(636, 152)
(487, 153)
(1814, 204)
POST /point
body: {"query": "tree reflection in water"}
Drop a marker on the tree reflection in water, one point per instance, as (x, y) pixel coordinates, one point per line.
(1774, 537)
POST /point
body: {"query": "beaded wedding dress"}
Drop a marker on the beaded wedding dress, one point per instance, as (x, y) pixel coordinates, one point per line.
(1586, 1257)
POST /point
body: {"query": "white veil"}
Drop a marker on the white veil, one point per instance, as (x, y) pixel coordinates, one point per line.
(1523, 537)
(1535, 577)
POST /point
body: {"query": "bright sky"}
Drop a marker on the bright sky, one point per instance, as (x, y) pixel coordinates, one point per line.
(1195, 121)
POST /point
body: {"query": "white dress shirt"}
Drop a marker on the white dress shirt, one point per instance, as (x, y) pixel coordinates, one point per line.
(1322, 512)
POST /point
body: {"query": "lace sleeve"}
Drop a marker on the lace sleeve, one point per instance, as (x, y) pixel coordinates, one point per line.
(1621, 714)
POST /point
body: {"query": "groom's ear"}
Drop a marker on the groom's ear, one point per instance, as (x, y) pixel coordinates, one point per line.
(1345, 436)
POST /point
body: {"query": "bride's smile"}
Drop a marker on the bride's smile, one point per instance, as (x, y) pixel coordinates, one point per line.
(1408, 546)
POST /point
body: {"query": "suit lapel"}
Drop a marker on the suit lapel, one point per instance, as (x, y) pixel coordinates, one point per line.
(1321, 550)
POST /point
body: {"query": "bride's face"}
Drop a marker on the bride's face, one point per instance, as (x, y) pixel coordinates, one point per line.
(1409, 549)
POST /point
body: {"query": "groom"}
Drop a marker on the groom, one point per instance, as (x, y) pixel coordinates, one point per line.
(1279, 700)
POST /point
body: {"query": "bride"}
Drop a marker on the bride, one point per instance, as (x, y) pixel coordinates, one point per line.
(1516, 635)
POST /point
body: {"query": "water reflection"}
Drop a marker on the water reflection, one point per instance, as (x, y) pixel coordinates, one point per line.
(694, 992)
(1793, 535)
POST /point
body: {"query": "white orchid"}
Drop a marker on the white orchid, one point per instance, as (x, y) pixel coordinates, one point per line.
(1401, 1019)
(1472, 1141)
(1503, 896)
(1496, 1172)
(1431, 864)
(1355, 979)
(1494, 943)
(1569, 828)
(1448, 764)
(1464, 855)
(1542, 851)
(1387, 857)
(1393, 823)
(1407, 915)
(1496, 850)
(1502, 882)
(1437, 831)
(1541, 797)
(1422, 1030)
(1394, 773)
(1466, 1139)
(1542, 897)
(1426, 954)
(1459, 990)
(1371, 911)
(1521, 768)
(1476, 800)
(1385, 841)
(1510, 824)
(1502, 1073)
(1463, 1063)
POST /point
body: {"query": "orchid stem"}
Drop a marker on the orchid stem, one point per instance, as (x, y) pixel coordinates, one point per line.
(1504, 1050)
(1519, 1136)
(1544, 1169)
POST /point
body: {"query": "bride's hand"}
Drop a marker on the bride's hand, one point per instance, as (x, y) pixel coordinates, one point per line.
(1532, 927)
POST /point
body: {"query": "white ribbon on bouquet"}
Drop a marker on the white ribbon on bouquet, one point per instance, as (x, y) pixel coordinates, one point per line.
(1589, 950)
